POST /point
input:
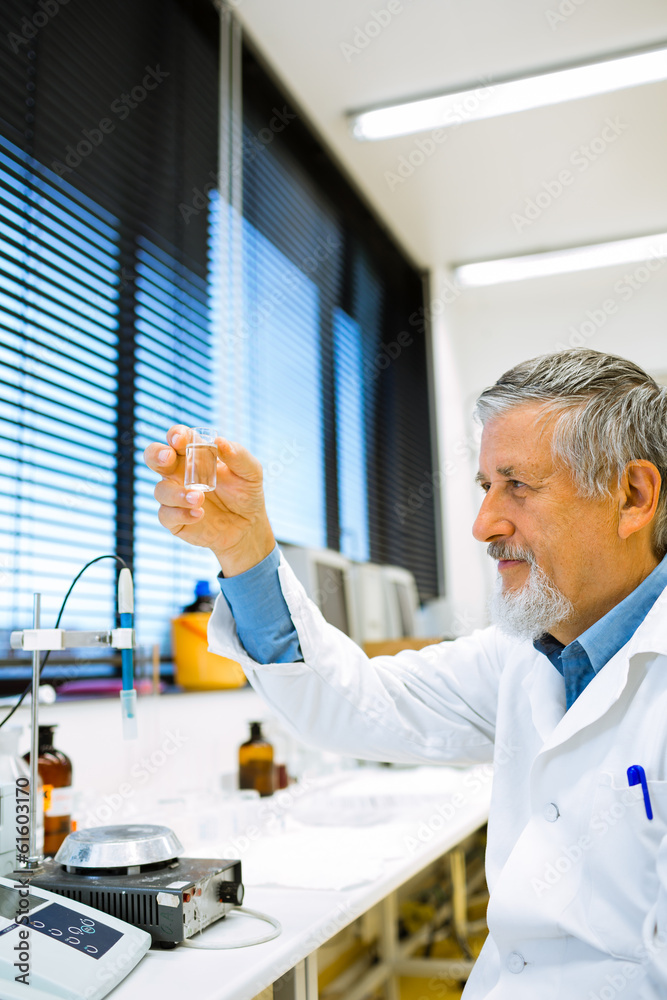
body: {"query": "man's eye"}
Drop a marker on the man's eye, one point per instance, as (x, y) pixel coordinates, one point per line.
(517, 484)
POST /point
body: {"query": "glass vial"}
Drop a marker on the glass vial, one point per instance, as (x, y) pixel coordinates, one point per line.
(55, 771)
(201, 459)
(256, 762)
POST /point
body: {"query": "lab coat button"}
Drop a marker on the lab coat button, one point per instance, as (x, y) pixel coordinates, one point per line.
(515, 962)
(551, 812)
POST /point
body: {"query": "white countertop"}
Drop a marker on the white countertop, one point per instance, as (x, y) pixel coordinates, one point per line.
(427, 811)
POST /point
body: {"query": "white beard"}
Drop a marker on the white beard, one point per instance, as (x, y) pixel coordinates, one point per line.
(534, 609)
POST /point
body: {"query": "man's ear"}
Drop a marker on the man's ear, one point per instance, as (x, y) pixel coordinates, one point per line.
(640, 490)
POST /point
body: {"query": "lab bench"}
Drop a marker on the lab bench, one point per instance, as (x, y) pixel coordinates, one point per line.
(421, 829)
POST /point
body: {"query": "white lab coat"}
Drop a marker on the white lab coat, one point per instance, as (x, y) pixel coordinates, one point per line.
(576, 871)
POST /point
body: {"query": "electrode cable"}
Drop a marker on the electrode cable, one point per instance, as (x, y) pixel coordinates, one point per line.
(60, 614)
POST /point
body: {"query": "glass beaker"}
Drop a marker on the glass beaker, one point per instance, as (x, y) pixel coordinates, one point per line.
(201, 459)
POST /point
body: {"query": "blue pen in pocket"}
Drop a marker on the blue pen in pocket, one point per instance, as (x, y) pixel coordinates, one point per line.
(637, 776)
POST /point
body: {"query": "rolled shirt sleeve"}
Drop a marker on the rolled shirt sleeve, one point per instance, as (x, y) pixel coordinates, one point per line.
(263, 621)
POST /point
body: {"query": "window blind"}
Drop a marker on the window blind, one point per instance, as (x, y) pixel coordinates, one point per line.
(333, 367)
(58, 374)
(112, 320)
(108, 131)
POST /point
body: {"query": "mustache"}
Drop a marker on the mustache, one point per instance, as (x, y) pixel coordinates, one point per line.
(503, 550)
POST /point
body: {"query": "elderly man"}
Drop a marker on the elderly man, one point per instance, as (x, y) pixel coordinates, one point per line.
(570, 682)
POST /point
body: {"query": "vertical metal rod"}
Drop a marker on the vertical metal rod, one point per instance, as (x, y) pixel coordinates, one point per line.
(33, 858)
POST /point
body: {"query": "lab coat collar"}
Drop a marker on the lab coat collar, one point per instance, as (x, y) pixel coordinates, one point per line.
(544, 685)
(545, 688)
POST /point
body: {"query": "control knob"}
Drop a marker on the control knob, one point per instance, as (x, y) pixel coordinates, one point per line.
(231, 892)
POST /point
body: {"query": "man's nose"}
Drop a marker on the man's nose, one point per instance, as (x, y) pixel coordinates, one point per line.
(491, 524)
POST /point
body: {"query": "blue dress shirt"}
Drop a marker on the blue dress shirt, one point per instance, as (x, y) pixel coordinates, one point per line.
(266, 631)
(262, 618)
(585, 656)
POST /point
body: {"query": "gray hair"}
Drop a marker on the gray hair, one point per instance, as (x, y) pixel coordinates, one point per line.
(608, 412)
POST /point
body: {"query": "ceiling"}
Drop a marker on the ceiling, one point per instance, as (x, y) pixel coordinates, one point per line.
(465, 200)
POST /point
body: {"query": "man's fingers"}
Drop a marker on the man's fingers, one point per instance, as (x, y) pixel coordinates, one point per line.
(239, 460)
(178, 437)
(167, 459)
(161, 458)
(171, 494)
(175, 518)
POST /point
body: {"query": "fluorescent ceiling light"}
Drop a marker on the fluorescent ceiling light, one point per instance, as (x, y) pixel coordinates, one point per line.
(505, 97)
(540, 265)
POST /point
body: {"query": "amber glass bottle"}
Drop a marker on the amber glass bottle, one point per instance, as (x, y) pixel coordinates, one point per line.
(55, 770)
(256, 762)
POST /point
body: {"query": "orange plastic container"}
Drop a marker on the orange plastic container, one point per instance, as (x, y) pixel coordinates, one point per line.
(195, 668)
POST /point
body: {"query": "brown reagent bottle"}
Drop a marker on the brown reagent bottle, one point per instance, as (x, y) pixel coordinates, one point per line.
(256, 762)
(55, 771)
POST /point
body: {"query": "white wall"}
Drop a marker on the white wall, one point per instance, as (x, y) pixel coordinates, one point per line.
(465, 586)
(480, 333)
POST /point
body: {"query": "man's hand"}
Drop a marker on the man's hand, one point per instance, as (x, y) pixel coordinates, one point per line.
(231, 520)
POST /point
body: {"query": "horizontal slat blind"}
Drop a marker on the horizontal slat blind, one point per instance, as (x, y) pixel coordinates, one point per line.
(325, 290)
(351, 431)
(108, 133)
(174, 365)
(58, 379)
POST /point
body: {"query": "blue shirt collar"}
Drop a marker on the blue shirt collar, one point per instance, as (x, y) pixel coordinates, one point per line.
(604, 639)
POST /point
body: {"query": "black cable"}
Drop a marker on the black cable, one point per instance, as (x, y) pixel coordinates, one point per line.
(60, 614)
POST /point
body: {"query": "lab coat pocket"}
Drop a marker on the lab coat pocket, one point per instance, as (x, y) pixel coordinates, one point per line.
(622, 883)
